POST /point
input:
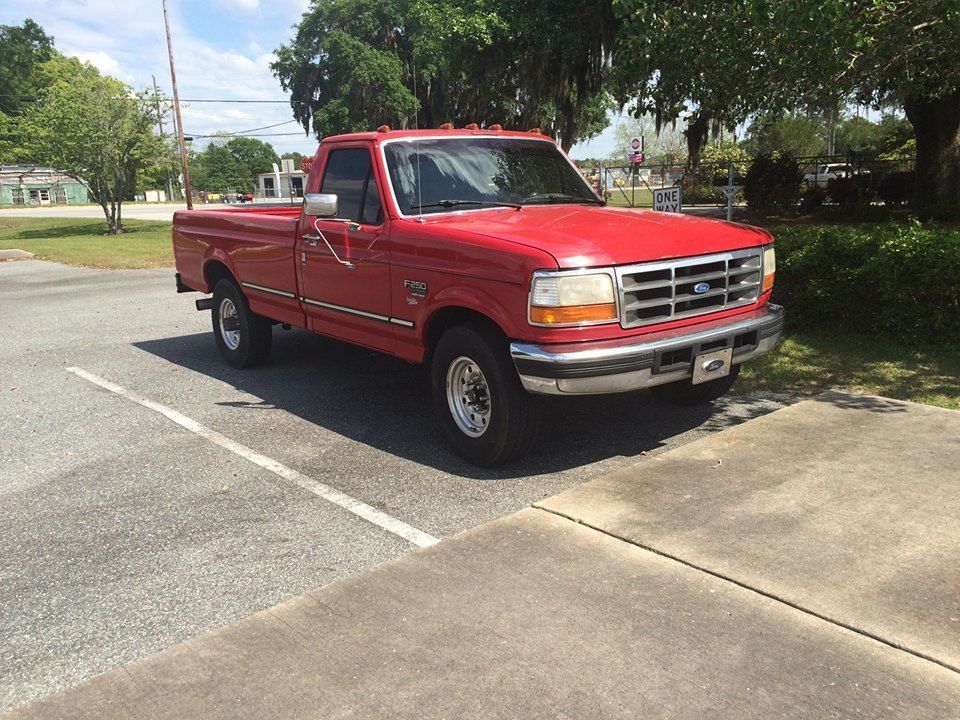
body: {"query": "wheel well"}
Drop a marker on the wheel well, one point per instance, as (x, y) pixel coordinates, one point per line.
(445, 318)
(215, 271)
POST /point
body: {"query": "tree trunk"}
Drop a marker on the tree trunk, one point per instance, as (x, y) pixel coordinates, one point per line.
(696, 133)
(936, 126)
(833, 117)
(112, 226)
(105, 206)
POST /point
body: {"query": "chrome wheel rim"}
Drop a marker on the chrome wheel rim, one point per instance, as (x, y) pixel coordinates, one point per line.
(229, 324)
(468, 396)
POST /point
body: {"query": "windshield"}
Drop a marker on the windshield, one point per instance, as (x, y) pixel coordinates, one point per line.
(481, 171)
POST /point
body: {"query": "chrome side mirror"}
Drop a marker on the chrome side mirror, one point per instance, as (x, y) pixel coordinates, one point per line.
(320, 205)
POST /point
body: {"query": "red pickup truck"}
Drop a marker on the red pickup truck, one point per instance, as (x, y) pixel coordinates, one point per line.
(486, 254)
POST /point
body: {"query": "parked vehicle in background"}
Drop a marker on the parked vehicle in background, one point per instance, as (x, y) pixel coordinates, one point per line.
(488, 256)
(823, 174)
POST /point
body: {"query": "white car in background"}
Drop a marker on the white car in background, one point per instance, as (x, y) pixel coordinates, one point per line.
(822, 174)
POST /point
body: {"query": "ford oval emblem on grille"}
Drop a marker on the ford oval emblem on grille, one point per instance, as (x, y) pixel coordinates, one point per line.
(701, 288)
(712, 365)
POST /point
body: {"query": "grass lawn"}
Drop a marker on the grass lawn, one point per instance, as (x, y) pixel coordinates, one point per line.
(620, 196)
(76, 241)
(807, 364)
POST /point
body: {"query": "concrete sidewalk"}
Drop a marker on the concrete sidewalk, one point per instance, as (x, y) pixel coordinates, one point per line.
(800, 565)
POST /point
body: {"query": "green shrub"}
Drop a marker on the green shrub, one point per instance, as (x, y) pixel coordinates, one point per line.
(697, 191)
(849, 192)
(813, 198)
(899, 281)
(773, 184)
(896, 188)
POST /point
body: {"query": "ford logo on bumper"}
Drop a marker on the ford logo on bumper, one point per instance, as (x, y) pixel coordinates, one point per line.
(701, 288)
(712, 365)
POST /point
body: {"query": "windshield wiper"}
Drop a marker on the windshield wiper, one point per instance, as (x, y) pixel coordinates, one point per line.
(562, 197)
(455, 203)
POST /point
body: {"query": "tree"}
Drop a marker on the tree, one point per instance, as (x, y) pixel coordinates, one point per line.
(255, 155)
(695, 58)
(22, 49)
(217, 169)
(294, 155)
(731, 59)
(354, 65)
(232, 163)
(93, 129)
(665, 145)
(882, 50)
(794, 134)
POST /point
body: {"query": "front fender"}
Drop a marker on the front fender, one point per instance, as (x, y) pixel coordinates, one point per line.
(478, 300)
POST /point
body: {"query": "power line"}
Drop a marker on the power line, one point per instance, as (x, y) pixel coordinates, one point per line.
(288, 134)
(211, 100)
(237, 133)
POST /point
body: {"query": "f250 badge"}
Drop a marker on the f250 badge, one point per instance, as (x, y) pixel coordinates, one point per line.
(417, 288)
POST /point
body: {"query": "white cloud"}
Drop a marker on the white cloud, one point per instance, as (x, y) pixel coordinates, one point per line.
(105, 63)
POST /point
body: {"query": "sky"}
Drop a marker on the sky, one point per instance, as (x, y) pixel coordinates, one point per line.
(222, 48)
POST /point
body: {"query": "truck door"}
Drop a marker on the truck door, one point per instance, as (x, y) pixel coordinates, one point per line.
(346, 292)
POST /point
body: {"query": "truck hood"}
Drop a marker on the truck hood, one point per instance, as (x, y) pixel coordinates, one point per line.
(592, 236)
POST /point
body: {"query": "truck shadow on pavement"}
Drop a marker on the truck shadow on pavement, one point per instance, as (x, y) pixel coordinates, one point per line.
(386, 403)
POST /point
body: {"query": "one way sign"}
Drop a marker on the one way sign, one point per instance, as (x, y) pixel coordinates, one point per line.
(666, 199)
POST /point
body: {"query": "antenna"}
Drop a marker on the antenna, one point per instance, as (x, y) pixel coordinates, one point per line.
(416, 140)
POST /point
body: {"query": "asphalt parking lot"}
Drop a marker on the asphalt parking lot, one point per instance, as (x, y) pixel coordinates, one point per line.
(125, 532)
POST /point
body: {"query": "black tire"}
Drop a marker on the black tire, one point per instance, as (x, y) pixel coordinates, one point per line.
(684, 392)
(255, 333)
(514, 416)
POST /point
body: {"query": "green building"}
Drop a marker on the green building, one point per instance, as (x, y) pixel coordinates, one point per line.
(29, 185)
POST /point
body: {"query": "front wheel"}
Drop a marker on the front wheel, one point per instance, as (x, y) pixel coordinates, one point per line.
(243, 337)
(684, 392)
(485, 414)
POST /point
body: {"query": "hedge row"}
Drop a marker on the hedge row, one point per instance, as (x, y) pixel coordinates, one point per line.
(899, 281)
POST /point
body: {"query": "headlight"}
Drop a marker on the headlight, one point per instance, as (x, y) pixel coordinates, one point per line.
(572, 298)
(769, 267)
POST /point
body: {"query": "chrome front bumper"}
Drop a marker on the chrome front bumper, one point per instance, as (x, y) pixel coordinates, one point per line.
(656, 358)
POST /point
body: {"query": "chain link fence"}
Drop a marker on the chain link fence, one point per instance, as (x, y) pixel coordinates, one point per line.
(633, 185)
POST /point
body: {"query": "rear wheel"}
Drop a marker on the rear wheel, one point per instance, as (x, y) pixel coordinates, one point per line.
(243, 337)
(684, 392)
(485, 414)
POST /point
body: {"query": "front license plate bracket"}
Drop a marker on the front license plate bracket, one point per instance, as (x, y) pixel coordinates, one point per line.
(712, 365)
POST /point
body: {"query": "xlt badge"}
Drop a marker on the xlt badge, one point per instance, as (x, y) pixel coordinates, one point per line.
(417, 288)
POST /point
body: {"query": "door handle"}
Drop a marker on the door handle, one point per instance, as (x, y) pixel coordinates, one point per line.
(313, 239)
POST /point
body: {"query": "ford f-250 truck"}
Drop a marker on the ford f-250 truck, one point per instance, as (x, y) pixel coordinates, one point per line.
(486, 254)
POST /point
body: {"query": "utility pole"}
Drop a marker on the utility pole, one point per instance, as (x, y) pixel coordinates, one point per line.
(163, 133)
(176, 107)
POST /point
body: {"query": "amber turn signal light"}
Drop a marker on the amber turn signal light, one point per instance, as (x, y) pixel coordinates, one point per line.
(768, 282)
(573, 314)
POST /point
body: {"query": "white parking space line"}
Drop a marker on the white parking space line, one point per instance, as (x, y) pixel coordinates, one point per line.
(358, 508)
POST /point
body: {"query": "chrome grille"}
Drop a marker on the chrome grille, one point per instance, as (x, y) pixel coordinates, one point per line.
(662, 291)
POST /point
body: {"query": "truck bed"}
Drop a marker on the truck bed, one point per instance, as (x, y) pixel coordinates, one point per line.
(256, 243)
